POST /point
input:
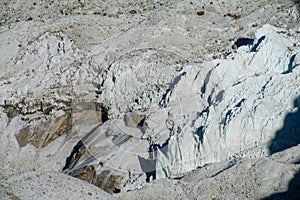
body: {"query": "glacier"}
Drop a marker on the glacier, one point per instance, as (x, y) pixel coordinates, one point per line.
(209, 112)
(202, 96)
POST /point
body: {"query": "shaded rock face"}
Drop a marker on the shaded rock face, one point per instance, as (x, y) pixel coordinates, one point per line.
(46, 130)
(109, 182)
(86, 174)
(42, 134)
(85, 160)
(134, 119)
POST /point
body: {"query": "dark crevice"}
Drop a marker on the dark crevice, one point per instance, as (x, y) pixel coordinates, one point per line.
(200, 133)
(240, 103)
(242, 42)
(227, 117)
(73, 155)
(117, 190)
(296, 162)
(140, 125)
(104, 114)
(205, 111)
(104, 111)
(291, 65)
(262, 91)
(231, 113)
(209, 101)
(163, 102)
(203, 114)
(231, 164)
(76, 151)
(259, 41)
(206, 80)
(219, 97)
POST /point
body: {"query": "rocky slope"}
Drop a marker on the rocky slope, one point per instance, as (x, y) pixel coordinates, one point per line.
(119, 94)
(275, 177)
